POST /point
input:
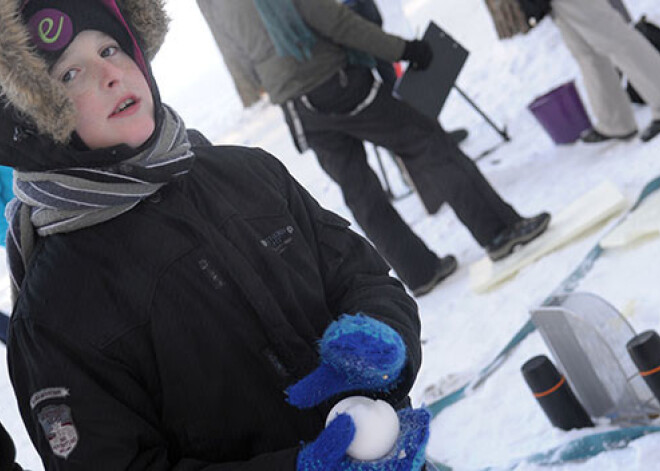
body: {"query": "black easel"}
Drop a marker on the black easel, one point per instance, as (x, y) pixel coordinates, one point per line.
(386, 182)
(502, 132)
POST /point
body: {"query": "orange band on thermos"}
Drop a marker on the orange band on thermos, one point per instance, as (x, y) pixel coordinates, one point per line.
(552, 389)
(650, 372)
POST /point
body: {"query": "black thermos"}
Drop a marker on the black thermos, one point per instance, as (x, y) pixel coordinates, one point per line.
(644, 350)
(553, 393)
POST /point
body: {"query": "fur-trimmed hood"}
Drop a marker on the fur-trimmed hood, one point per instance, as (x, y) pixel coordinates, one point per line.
(24, 79)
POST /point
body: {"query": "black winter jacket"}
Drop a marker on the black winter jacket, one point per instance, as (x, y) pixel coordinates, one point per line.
(164, 338)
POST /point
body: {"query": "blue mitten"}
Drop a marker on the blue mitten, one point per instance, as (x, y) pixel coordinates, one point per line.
(358, 353)
(328, 451)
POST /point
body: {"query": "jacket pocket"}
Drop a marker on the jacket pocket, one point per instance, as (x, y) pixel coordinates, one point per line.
(275, 232)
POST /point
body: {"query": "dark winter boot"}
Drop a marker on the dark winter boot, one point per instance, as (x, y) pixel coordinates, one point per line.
(593, 136)
(520, 233)
(446, 266)
(651, 131)
(458, 135)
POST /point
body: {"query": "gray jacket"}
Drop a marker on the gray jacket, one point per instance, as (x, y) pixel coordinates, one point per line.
(244, 77)
(239, 27)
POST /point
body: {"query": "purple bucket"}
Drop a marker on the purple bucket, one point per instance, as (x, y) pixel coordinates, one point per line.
(561, 113)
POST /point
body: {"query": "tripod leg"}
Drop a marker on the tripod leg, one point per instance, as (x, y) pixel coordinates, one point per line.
(501, 132)
(405, 176)
(388, 187)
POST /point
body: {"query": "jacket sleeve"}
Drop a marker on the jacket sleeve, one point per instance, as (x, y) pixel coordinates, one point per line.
(87, 410)
(356, 278)
(341, 25)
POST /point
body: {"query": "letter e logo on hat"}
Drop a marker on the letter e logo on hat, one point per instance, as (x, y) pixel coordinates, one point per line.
(51, 29)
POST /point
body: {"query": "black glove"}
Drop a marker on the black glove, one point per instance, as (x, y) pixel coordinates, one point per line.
(418, 53)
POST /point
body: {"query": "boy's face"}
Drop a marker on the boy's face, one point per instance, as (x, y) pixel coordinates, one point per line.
(112, 98)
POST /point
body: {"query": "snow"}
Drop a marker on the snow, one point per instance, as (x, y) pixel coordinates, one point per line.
(462, 331)
(376, 426)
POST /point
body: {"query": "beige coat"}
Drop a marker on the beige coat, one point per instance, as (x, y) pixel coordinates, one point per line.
(238, 26)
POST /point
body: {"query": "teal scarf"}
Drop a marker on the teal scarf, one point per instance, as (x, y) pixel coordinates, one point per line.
(292, 37)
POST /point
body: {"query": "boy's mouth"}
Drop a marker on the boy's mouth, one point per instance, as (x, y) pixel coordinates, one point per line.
(124, 105)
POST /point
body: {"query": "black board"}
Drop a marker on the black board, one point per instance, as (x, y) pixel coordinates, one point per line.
(427, 90)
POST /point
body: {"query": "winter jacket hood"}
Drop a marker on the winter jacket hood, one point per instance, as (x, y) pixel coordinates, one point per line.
(29, 95)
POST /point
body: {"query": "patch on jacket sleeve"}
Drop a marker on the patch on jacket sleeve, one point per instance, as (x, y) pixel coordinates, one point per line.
(46, 394)
(58, 426)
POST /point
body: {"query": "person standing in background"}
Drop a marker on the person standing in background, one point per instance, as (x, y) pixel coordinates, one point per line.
(602, 41)
(314, 59)
(601, 38)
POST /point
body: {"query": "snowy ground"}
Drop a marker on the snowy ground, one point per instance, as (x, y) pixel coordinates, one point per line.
(462, 331)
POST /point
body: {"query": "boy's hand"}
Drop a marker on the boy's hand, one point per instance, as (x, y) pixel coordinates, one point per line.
(328, 451)
(358, 353)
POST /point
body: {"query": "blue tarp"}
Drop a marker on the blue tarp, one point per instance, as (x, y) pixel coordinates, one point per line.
(584, 447)
(6, 194)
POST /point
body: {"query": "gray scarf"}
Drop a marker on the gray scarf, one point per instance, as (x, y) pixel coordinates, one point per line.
(66, 200)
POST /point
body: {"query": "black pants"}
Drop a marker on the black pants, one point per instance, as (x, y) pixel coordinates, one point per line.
(336, 137)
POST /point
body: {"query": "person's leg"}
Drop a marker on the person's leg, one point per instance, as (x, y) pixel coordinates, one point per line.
(392, 124)
(343, 158)
(609, 102)
(606, 31)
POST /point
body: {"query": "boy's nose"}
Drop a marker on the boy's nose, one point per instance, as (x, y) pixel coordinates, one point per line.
(112, 75)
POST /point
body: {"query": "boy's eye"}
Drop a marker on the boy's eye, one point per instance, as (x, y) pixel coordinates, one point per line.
(109, 51)
(69, 75)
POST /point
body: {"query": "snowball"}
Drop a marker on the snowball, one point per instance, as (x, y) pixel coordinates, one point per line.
(376, 426)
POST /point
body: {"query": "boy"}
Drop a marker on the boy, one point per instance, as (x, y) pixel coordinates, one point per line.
(167, 315)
